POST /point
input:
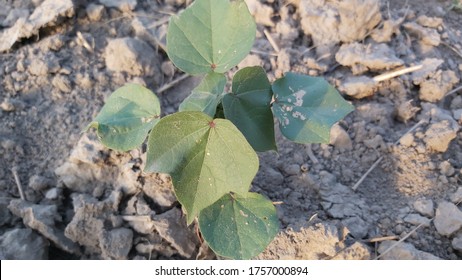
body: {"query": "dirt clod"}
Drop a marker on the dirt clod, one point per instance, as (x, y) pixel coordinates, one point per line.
(434, 89)
(132, 56)
(424, 207)
(318, 241)
(42, 218)
(330, 23)
(362, 58)
(457, 242)
(359, 87)
(439, 135)
(448, 218)
(403, 251)
(427, 36)
(172, 227)
(23, 244)
(116, 243)
(457, 196)
(95, 12)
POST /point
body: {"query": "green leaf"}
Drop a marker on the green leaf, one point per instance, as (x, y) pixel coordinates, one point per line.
(239, 226)
(249, 107)
(206, 158)
(307, 107)
(125, 120)
(210, 35)
(206, 96)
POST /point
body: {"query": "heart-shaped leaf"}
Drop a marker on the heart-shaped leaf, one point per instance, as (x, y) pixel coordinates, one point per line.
(239, 226)
(125, 120)
(249, 107)
(307, 107)
(210, 35)
(206, 96)
(206, 158)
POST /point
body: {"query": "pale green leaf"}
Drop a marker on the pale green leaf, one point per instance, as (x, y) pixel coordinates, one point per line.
(248, 106)
(206, 158)
(239, 226)
(307, 107)
(206, 96)
(127, 117)
(210, 35)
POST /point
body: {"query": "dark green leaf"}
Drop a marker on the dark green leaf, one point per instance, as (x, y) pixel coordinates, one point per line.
(239, 226)
(206, 96)
(206, 158)
(248, 107)
(125, 120)
(210, 35)
(307, 107)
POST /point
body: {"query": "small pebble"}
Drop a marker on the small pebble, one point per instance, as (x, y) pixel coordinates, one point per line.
(52, 194)
(457, 196)
(416, 219)
(39, 183)
(8, 144)
(95, 12)
(399, 229)
(293, 169)
(424, 207)
(7, 106)
(167, 68)
(407, 140)
(446, 168)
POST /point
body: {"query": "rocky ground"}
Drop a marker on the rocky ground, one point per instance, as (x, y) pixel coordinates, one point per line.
(61, 59)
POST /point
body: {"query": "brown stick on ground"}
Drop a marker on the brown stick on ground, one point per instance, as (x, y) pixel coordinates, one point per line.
(18, 183)
(453, 91)
(396, 73)
(271, 41)
(172, 83)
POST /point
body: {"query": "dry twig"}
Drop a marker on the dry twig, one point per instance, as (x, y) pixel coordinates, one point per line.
(355, 187)
(172, 83)
(159, 23)
(382, 238)
(136, 218)
(263, 53)
(84, 42)
(271, 41)
(456, 51)
(396, 73)
(18, 183)
(453, 91)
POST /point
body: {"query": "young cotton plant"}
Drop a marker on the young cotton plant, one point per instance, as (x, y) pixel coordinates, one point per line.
(208, 148)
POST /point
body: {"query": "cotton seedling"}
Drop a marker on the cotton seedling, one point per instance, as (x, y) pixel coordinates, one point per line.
(209, 147)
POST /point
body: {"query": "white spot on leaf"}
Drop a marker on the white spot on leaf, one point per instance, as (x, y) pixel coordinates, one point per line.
(298, 115)
(287, 108)
(299, 98)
